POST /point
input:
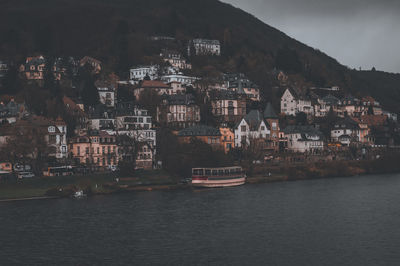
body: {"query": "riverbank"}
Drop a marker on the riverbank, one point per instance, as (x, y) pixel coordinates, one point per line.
(105, 184)
(331, 169)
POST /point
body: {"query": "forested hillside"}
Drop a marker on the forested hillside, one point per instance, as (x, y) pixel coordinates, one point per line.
(117, 32)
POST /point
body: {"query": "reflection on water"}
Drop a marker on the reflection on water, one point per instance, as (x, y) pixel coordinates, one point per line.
(343, 221)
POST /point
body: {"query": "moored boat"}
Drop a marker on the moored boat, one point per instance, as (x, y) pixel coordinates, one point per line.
(218, 177)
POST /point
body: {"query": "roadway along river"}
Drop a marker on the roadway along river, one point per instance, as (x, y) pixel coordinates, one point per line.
(342, 221)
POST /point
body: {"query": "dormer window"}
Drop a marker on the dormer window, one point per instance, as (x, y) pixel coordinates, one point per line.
(52, 129)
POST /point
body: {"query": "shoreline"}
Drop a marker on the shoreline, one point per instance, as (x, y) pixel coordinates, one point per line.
(163, 182)
(28, 199)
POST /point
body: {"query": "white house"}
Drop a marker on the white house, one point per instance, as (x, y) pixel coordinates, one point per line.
(347, 131)
(139, 73)
(292, 103)
(107, 96)
(325, 104)
(251, 127)
(139, 120)
(304, 139)
(60, 145)
(205, 47)
(137, 124)
(175, 59)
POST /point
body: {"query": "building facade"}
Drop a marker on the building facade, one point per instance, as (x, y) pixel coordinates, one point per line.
(204, 47)
(251, 128)
(178, 111)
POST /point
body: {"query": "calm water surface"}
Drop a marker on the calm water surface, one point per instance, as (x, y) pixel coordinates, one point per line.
(343, 221)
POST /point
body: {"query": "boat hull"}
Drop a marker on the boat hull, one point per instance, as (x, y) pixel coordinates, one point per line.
(208, 183)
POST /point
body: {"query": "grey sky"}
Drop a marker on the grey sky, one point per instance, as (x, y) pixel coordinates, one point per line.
(358, 33)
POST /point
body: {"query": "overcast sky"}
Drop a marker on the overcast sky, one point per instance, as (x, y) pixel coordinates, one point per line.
(358, 33)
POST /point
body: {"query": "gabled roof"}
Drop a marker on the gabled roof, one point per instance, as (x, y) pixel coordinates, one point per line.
(297, 95)
(330, 99)
(197, 131)
(86, 59)
(72, 105)
(269, 112)
(254, 118)
(35, 60)
(347, 123)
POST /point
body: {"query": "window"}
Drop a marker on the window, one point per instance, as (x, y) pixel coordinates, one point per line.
(243, 128)
(79, 150)
(87, 150)
(98, 150)
(52, 139)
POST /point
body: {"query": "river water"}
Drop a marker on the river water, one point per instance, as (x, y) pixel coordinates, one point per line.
(342, 221)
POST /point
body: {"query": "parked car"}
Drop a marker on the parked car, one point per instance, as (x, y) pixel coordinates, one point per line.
(23, 175)
(113, 168)
(268, 157)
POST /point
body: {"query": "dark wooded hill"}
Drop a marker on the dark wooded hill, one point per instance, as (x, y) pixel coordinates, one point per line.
(117, 31)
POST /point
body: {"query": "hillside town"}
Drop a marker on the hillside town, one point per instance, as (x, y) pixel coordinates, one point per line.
(108, 122)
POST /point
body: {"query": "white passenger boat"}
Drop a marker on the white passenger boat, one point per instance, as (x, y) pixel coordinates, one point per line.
(218, 177)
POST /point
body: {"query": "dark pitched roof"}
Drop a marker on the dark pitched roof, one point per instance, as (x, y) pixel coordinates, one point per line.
(298, 95)
(349, 100)
(197, 131)
(179, 99)
(254, 119)
(303, 130)
(224, 95)
(269, 112)
(347, 123)
(330, 99)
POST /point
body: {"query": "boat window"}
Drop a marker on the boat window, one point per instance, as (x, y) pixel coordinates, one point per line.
(220, 172)
(227, 172)
(214, 172)
(232, 171)
(201, 172)
(208, 172)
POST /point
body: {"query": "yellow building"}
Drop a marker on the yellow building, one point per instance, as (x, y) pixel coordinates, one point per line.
(227, 138)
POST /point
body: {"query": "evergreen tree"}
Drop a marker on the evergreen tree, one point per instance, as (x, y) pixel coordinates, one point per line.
(90, 95)
(11, 83)
(88, 91)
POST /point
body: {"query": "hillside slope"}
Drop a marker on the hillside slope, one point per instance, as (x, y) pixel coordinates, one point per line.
(117, 31)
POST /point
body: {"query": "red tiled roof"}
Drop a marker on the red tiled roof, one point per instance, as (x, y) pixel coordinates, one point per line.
(374, 120)
(154, 84)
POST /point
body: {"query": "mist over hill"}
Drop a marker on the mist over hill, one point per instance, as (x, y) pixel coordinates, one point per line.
(117, 32)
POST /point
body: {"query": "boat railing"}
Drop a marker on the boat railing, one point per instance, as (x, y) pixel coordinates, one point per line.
(229, 171)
